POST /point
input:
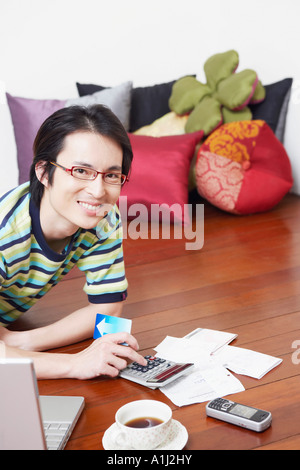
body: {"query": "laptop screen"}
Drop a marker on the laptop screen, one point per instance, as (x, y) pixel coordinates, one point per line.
(23, 413)
(21, 423)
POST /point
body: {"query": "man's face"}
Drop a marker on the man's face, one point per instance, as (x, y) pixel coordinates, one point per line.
(71, 203)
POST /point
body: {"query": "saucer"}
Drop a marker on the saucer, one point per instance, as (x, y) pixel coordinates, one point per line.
(176, 439)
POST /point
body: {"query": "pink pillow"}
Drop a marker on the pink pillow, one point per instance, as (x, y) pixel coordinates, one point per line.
(159, 173)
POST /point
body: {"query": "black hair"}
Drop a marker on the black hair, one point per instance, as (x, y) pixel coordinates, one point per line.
(50, 139)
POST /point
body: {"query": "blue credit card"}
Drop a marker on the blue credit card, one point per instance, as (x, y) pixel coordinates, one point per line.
(107, 324)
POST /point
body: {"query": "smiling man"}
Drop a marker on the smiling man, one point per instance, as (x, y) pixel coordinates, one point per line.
(65, 216)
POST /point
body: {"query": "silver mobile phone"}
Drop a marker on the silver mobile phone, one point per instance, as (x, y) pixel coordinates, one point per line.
(240, 415)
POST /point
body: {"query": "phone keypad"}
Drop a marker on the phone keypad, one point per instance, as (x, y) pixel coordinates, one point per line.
(221, 404)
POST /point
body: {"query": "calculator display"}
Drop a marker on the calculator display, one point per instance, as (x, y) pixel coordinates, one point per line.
(157, 373)
(168, 373)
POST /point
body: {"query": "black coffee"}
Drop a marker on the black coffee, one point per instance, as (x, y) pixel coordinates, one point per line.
(144, 422)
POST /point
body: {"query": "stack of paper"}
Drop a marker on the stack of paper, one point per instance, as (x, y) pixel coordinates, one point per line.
(202, 385)
(185, 350)
(212, 356)
(197, 347)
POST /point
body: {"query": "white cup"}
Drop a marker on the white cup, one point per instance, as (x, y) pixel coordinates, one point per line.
(142, 438)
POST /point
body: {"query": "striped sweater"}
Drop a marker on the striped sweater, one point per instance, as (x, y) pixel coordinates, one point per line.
(29, 267)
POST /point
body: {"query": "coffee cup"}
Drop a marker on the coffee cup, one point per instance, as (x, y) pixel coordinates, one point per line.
(142, 424)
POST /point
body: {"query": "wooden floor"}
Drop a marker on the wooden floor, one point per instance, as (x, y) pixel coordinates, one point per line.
(246, 280)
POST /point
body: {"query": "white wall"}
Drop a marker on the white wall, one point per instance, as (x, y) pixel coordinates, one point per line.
(48, 45)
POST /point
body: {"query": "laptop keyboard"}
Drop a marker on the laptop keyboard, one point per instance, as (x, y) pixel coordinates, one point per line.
(56, 434)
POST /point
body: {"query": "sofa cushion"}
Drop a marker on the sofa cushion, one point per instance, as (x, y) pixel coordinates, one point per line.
(148, 103)
(187, 92)
(169, 124)
(224, 88)
(237, 90)
(28, 115)
(220, 66)
(243, 168)
(159, 173)
(118, 99)
(207, 115)
(273, 109)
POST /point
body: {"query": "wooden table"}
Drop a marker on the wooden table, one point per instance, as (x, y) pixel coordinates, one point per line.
(246, 280)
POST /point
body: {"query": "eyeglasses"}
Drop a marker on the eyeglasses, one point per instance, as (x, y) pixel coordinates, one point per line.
(83, 173)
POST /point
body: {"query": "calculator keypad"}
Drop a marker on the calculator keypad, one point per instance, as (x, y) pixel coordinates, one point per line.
(154, 366)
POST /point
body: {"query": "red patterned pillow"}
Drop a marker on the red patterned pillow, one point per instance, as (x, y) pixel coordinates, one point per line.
(243, 168)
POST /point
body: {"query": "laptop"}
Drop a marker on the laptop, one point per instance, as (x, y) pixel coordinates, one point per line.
(29, 421)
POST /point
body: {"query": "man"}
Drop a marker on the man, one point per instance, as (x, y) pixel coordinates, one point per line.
(67, 215)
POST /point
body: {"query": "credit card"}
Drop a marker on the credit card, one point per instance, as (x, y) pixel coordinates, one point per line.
(107, 324)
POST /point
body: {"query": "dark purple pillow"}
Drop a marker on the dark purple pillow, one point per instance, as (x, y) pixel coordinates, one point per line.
(273, 109)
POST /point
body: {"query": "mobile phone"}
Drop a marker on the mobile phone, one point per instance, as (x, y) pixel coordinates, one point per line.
(245, 416)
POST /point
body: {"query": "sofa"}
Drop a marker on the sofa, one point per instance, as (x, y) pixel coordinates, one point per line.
(159, 148)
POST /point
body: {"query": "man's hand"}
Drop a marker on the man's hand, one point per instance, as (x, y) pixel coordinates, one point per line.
(105, 356)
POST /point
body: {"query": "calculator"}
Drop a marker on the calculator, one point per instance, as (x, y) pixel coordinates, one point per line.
(157, 373)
